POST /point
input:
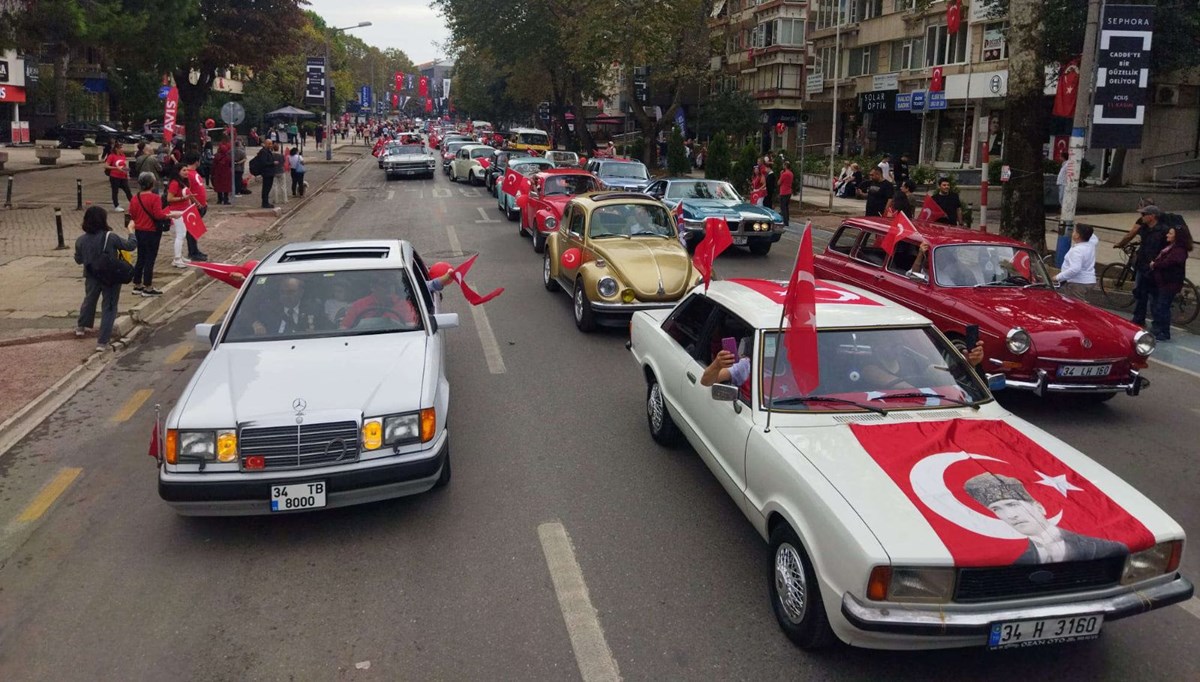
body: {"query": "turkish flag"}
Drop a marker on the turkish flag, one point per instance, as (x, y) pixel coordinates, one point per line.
(233, 275)
(428, 105)
(423, 87)
(395, 101)
(399, 81)
(987, 490)
(936, 81)
(1062, 147)
(679, 216)
(1021, 264)
(800, 311)
(901, 227)
(1067, 92)
(154, 440)
(716, 239)
(953, 16)
(460, 274)
(193, 222)
(514, 183)
(930, 211)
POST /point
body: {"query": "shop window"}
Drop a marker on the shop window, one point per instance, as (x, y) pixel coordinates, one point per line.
(995, 41)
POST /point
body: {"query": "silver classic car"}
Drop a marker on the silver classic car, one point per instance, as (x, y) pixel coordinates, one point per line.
(407, 159)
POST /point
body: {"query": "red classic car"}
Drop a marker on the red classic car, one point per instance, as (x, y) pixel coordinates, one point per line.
(1041, 340)
(549, 192)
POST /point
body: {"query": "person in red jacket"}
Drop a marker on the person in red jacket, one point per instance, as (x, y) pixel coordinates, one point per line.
(118, 174)
(785, 191)
(146, 208)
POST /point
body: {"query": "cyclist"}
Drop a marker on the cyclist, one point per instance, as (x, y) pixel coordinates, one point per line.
(1153, 241)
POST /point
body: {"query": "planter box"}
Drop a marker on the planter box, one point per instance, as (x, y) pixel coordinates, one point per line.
(3, 159)
(47, 152)
(92, 154)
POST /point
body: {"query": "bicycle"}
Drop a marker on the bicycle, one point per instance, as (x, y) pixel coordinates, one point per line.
(1117, 284)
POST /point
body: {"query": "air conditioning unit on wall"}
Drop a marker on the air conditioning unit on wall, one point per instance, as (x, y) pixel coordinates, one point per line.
(1166, 95)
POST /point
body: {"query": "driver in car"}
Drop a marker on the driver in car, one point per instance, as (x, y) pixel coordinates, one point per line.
(389, 298)
(952, 271)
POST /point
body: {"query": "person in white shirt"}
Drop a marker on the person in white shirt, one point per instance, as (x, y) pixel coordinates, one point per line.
(1078, 274)
(886, 169)
(1061, 181)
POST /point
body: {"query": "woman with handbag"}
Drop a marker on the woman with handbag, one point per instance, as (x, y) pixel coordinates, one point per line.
(1169, 270)
(296, 164)
(94, 250)
(150, 220)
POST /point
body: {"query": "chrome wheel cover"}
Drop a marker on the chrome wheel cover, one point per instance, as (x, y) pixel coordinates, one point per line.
(791, 585)
(579, 303)
(654, 407)
(546, 269)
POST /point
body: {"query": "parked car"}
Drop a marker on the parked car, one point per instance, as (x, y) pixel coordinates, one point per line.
(72, 135)
(525, 166)
(549, 192)
(563, 159)
(449, 151)
(755, 227)
(619, 173)
(629, 257)
(344, 401)
(496, 170)
(1041, 340)
(909, 515)
(471, 162)
(407, 160)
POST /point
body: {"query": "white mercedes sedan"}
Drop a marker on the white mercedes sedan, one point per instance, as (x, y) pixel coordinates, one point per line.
(905, 509)
(325, 386)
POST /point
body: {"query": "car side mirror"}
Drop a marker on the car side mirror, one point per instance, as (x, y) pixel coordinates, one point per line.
(207, 332)
(724, 393)
(996, 382)
(445, 321)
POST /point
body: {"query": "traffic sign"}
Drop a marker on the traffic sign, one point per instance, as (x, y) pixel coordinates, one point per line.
(233, 113)
(937, 100)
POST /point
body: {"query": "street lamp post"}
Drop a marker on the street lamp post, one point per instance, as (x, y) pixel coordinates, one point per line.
(328, 82)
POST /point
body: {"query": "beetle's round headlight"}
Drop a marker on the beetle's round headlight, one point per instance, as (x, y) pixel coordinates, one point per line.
(1017, 340)
(551, 223)
(1144, 343)
(607, 286)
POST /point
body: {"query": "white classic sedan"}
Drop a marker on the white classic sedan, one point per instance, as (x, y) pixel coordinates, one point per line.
(904, 507)
(325, 387)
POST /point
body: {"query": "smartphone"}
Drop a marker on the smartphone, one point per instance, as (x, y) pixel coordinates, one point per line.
(972, 336)
(730, 344)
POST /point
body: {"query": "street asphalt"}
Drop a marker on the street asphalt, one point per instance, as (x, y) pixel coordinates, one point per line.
(99, 580)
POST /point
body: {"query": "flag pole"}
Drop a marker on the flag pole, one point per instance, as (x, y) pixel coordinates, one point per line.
(779, 338)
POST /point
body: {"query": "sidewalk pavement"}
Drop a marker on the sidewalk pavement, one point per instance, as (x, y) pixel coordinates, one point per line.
(43, 286)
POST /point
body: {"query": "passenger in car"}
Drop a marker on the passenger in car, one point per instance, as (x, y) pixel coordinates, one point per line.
(289, 312)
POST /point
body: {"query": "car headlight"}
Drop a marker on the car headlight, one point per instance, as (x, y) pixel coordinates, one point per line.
(911, 584)
(551, 223)
(399, 429)
(1160, 559)
(607, 286)
(186, 446)
(1144, 343)
(402, 428)
(1017, 340)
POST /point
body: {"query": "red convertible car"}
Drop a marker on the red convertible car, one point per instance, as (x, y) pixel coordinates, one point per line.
(549, 192)
(1041, 340)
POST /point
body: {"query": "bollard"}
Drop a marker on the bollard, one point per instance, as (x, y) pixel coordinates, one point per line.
(62, 244)
(78, 194)
(8, 194)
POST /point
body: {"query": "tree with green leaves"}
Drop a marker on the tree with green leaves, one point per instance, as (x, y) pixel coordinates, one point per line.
(717, 161)
(732, 111)
(677, 159)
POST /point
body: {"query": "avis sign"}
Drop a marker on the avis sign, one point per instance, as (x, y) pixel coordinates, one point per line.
(170, 112)
(1122, 76)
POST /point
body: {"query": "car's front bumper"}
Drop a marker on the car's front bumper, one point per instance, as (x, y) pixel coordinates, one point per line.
(694, 232)
(250, 494)
(630, 308)
(1041, 385)
(975, 622)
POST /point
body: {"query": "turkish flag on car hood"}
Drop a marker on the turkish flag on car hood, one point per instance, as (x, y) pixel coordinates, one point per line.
(988, 493)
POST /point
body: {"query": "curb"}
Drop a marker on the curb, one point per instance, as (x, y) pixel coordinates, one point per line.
(129, 328)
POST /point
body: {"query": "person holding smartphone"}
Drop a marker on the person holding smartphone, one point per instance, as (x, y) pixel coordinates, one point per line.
(726, 367)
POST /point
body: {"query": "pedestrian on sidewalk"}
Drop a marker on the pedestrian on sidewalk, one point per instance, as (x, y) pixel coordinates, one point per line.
(770, 182)
(148, 218)
(885, 168)
(179, 199)
(303, 136)
(785, 192)
(263, 165)
(949, 202)
(320, 135)
(878, 193)
(116, 166)
(900, 168)
(1154, 239)
(902, 201)
(279, 188)
(239, 168)
(296, 164)
(1169, 268)
(147, 162)
(97, 240)
(222, 173)
(293, 133)
(757, 189)
(1078, 274)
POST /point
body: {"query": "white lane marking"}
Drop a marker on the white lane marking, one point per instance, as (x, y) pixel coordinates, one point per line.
(391, 194)
(469, 192)
(1177, 368)
(452, 237)
(491, 349)
(483, 214)
(1192, 606)
(420, 192)
(1185, 349)
(441, 192)
(592, 655)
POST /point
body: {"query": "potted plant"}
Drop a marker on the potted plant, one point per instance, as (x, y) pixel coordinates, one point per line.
(47, 152)
(91, 150)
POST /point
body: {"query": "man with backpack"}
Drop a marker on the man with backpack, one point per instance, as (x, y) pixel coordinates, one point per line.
(263, 165)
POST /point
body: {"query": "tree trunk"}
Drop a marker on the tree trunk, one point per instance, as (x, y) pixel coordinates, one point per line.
(582, 134)
(192, 98)
(61, 57)
(1022, 213)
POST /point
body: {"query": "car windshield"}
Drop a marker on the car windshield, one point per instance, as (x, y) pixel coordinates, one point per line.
(993, 265)
(533, 138)
(409, 149)
(888, 368)
(482, 152)
(452, 147)
(562, 157)
(569, 184)
(630, 220)
(323, 304)
(529, 167)
(702, 189)
(624, 170)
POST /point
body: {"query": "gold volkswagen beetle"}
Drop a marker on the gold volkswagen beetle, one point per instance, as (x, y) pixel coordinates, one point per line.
(623, 255)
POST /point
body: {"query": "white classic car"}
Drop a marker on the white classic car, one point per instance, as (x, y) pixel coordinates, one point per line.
(471, 162)
(325, 387)
(407, 159)
(904, 507)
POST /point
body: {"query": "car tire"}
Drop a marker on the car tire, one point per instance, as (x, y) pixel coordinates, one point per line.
(585, 319)
(444, 479)
(473, 179)
(511, 214)
(539, 241)
(658, 417)
(760, 247)
(521, 222)
(547, 277)
(802, 615)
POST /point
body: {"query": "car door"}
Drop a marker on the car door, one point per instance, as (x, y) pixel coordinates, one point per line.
(901, 283)
(866, 262)
(657, 189)
(685, 325)
(571, 238)
(721, 428)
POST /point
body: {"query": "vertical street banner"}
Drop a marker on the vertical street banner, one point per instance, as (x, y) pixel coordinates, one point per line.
(364, 97)
(1122, 76)
(170, 111)
(446, 88)
(314, 80)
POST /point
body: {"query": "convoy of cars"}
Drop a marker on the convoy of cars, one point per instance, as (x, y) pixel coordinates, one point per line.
(904, 507)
